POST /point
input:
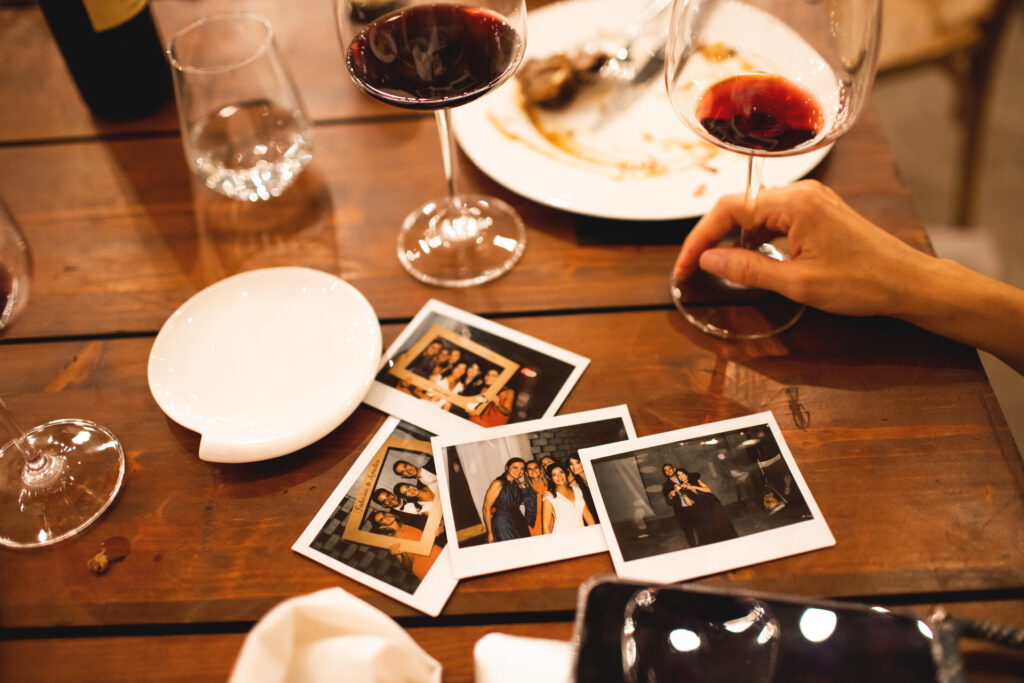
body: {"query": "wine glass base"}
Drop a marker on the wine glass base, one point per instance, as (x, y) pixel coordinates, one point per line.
(461, 242)
(82, 474)
(728, 310)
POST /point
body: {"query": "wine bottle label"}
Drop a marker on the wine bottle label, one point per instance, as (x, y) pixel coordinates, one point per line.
(107, 14)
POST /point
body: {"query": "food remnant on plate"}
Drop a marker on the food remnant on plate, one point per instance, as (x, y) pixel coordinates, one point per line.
(717, 52)
(553, 81)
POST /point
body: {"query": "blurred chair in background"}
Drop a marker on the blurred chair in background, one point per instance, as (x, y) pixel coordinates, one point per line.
(961, 37)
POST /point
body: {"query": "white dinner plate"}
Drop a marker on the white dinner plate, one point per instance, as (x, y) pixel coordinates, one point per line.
(265, 362)
(641, 163)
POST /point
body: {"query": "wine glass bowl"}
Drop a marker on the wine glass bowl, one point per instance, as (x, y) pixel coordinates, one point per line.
(433, 56)
(764, 78)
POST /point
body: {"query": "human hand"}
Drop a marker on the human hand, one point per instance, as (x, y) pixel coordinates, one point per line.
(839, 261)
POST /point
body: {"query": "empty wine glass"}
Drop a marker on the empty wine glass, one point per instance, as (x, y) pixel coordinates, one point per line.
(429, 55)
(57, 478)
(764, 78)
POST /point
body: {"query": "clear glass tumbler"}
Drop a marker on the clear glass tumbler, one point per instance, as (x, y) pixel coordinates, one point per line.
(243, 124)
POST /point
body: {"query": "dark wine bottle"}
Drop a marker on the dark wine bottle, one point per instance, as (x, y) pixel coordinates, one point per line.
(113, 52)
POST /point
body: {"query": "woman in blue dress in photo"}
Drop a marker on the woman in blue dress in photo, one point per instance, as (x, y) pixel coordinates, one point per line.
(501, 509)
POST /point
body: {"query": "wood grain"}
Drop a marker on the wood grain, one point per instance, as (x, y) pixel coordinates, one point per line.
(898, 431)
(121, 235)
(900, 438)
(210, 657)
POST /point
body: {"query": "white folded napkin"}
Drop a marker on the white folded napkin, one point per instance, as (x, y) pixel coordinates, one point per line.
(537, 660)
(331, 635)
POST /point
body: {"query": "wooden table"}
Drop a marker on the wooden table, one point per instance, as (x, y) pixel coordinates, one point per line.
(905, 448)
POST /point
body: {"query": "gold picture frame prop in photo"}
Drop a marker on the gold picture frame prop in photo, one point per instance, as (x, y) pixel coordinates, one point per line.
(400, 369)
(353, 531)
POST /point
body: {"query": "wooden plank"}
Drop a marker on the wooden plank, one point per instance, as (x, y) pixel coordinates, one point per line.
(121, 237)
(210, 657)
(900, 448)
(41, 102)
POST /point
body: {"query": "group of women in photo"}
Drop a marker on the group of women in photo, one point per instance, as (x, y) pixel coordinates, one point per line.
(536, 497)
(403, 513)
(454, 372)
(697, 509)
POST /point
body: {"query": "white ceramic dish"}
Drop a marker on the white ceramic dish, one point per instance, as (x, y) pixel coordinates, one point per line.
(640, 164)
(265, 362)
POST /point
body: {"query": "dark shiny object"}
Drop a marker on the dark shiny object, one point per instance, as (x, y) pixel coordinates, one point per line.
(632, 632)
(121, 72)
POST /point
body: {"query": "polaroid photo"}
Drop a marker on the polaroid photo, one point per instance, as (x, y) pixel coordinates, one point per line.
(383, 524)
(517, 496)
(451, 371)
(703, 500)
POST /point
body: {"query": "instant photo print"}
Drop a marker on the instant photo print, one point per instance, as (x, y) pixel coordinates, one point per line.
(500, 490)
(383, 524)
(703, 500)
(450, 371)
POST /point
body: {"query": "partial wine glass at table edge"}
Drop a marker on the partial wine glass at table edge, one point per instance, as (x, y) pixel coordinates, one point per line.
(59, 477)
(435, 56)
(764, 78)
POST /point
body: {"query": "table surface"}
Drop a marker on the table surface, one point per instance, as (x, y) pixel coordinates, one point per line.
(900, 438)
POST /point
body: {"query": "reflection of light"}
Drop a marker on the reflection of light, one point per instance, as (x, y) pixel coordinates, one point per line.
(923, 628)
(817, 624)
(750, 442)
(506, 243)
(529, 372)
(877, 608)
(709, 442)
(684, 640)
(767, 633)
(630, 652)
(741, 624)
(81, 437)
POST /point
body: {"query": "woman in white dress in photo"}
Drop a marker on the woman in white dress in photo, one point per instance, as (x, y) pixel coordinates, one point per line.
(563, 508)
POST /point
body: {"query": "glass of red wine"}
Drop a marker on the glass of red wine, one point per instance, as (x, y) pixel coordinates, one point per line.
(764, 78)
(434, 56)
(57, 478)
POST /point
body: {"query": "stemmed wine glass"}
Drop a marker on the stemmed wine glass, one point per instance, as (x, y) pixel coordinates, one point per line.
(764, 78)
(425, 54)
(57, 478)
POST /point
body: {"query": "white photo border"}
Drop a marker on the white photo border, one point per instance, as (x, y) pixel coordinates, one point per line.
(434, 589)
(691, 563)
(522, 552)
(428, 416)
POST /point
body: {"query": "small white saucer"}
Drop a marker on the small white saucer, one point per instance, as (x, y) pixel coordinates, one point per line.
(265, 362)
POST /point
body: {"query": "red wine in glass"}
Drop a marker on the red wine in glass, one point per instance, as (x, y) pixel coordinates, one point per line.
(433, 56)
(763, 78)
(760, 111)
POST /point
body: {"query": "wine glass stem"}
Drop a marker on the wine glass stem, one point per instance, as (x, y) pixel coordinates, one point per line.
(39, 468)
(444, 131)
(755, 165)
(12, 428)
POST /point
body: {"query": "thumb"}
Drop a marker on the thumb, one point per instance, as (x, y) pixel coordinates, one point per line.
(745, 267)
